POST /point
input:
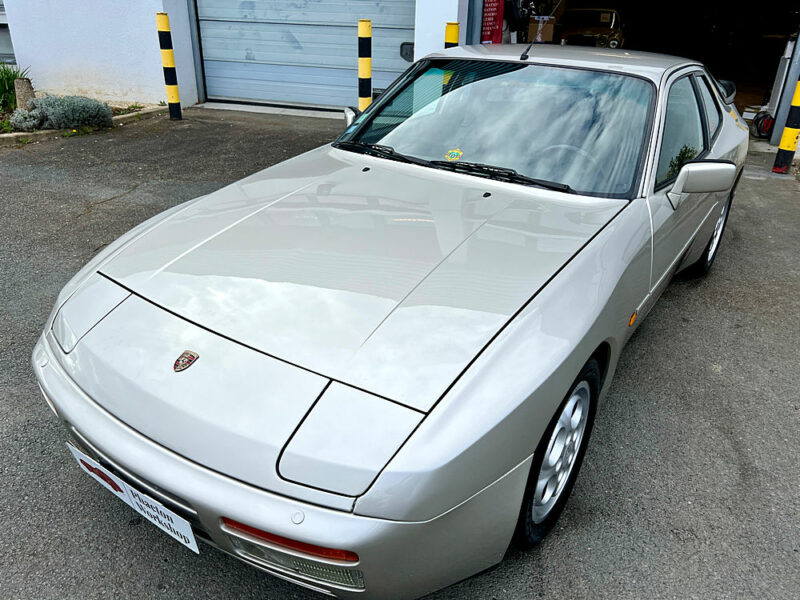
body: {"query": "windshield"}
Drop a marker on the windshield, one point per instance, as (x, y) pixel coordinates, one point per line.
(577, 127)
(588, 18)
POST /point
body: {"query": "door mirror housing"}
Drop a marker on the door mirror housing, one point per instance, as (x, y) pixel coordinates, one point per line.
(351, 113)
(702, 177)
(728, 89)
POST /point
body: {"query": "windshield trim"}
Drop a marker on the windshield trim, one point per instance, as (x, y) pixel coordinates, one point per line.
(409, 75)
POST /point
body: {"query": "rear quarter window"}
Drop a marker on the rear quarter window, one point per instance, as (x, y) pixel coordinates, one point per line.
(712, 108)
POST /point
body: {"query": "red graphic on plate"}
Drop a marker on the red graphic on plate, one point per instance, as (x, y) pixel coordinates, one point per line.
(102, 475)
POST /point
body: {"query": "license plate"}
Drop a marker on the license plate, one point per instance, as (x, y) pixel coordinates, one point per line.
(166, 520)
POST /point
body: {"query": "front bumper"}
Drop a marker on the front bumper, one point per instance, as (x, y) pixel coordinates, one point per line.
(398, 559)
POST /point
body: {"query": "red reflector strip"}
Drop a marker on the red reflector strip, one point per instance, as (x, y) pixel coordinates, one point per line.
(330, 553)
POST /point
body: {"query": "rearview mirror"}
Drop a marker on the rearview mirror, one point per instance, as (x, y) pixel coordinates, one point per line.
(702, 177)
(728, 90)
(351, 113)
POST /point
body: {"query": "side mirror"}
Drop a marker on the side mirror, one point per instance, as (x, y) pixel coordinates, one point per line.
(702, 177)
(728, 90)
(407, 51)
(351, 113)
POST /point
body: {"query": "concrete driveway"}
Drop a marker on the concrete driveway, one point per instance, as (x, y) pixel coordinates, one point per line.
(690, 486)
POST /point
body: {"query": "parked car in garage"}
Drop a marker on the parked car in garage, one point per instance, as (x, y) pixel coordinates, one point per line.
(592, 27)
(369, 368)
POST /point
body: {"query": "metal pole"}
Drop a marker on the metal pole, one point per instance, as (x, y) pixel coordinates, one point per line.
(474, 21)
(451, 33)
(364, 64)
(168, 62)
(197, 51)
(792, 75)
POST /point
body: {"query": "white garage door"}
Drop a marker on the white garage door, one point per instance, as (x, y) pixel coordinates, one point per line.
(299, 51)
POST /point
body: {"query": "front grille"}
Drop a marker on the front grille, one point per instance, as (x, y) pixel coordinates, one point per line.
(168, 499)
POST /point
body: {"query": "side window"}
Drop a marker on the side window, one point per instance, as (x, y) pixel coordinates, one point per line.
(683, 130)
(420, 98)
(712, 108)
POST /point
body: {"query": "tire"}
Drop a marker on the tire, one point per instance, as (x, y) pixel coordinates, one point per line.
(538, 514)
(703, 265)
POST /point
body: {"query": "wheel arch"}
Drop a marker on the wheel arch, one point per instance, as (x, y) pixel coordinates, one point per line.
(602, 354)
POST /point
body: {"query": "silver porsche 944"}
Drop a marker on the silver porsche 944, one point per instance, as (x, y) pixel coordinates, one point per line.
(371, 367)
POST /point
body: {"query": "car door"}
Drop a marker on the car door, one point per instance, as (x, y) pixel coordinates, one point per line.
(684, 136)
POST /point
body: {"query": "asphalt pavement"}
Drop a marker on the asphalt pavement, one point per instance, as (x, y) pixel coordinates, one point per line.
(690, 485)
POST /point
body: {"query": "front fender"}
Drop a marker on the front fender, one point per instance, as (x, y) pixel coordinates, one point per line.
(492, 418)
(107, 253)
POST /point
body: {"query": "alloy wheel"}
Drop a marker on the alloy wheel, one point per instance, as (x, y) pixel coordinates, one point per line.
(562, 451)
(717, 236)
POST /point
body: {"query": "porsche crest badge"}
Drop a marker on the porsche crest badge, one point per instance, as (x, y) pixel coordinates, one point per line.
(185, 360)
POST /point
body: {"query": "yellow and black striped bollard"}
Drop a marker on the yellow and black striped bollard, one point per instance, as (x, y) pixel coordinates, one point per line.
(168, 62)
(791, 132)
(364, 64)
(451, 32)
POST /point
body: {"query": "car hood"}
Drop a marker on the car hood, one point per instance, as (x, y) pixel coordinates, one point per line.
(385, 276)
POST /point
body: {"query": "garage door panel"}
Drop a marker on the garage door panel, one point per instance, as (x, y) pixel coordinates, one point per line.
(280, 83)
(389, 13)
(307, 45)
(303, 51)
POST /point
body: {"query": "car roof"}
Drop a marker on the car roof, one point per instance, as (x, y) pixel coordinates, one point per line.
(645, 64)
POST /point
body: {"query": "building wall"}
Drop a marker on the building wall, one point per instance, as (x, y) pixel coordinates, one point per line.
(103, 49)
(108, 49)
(431, 17)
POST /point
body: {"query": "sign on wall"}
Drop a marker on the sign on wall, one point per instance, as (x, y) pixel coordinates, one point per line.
(492, 29)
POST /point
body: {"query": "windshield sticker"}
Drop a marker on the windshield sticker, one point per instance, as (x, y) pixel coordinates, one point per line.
(455, 154)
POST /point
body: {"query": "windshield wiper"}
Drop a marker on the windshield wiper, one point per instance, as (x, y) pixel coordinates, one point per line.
(490, 171)
(381, 150)
(501, 174)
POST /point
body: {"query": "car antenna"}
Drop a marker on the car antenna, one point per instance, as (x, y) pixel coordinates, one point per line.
(525, 55)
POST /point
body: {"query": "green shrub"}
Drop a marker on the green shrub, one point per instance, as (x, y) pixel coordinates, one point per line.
(8, 97)
(26, 120)
(62, 112)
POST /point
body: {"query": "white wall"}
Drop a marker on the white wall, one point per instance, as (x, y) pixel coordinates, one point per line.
(431, 17)
(104, 49)
(182, 44)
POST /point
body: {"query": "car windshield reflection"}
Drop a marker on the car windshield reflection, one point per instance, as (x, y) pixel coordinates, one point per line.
(574, 127)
